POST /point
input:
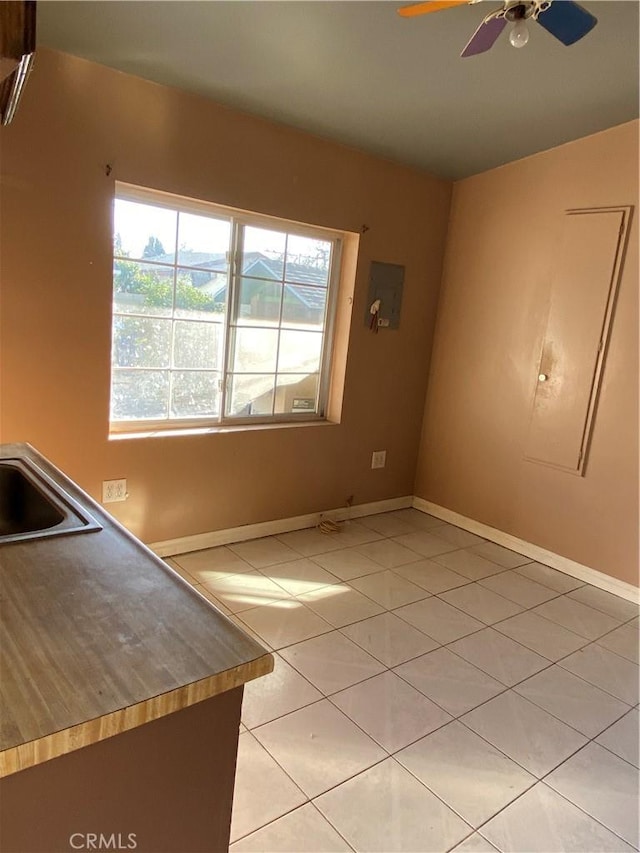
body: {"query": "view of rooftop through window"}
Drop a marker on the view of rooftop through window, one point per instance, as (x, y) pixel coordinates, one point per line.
(216, 317)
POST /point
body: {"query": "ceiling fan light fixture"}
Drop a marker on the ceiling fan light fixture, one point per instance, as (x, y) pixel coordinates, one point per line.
(519, 34)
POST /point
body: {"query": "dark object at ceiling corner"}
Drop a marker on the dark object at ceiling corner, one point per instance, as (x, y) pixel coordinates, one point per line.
(17, 47)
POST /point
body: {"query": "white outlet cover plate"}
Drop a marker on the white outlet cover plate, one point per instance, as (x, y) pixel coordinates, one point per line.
(378, 458)
(114, 490)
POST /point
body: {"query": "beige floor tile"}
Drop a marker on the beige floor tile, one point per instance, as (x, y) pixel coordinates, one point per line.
(604, 786)
(623, 641)
(417, 519)
(355, 533)
(499, 656)
(212, 599)
(263, 791)
(431, 576)
(475, 843)
(332, 662)
(177, 568)
(450, 681)
(439, 620)
(481, 603)
(347, 563)
(387, 809)
(577, 617)
(387, 524)
(389, 639)
(425, 543)
(610, 672)
(572, 700)
(606, 602)
(622, 738)
(282, 691)
(244, 591)
(467, 773)
(299, 576)
(284, 623)
(389, 589)
(388, 553)
(547, 576)
(541, 821)
(318, 747)
(546, 638)
(212, 563)
(469, 564)
(235, 618)
(502, 556)
(310, 541)
(264, 552)
(517, 588)
(390, 711)
(340, 605)
(457, 536)
(527, 734)
(303, 830)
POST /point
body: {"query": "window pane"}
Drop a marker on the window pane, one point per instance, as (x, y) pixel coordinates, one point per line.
(250, 395)
(201, 295)
(203, 241)
(263, 253)
(177, 299)
(142, 288)
(308, 260)
(299, 352)
(141, 342)
(197, 344)
(144, 231)
(304, 306)
(194, 394)
(259, 301)
(139, 394)
(296, 394)
(255, 350)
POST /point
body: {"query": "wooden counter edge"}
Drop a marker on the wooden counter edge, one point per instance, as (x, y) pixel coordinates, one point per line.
(51, 746)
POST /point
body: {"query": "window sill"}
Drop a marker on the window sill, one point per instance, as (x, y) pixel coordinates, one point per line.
(183, 432)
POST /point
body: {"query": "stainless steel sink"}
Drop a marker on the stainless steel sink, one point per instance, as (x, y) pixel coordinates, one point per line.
(32, 506)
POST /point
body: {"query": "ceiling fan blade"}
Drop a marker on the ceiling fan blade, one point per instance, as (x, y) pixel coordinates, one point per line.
(429, 6)
(485, 36)
(567, 21)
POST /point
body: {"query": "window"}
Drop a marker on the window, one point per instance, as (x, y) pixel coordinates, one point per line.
(218, 316)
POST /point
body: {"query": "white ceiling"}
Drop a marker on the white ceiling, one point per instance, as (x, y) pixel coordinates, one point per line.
(358, 73)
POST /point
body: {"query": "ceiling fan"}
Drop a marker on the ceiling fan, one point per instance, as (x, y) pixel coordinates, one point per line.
(564, 19)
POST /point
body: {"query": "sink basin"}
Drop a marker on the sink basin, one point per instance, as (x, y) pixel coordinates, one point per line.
(32, 506)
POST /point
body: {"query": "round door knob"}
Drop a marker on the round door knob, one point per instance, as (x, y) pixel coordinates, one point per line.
(542, 377)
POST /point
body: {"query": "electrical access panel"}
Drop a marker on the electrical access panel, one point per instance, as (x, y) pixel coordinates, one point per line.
(385, 283)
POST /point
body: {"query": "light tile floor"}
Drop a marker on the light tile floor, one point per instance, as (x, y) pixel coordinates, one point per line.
(431, 692)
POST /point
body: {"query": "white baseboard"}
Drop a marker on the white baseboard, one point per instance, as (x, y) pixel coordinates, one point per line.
(170, 547)
(541, 555)
(200, 541)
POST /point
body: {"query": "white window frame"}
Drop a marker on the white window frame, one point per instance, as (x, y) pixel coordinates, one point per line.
(238, 221)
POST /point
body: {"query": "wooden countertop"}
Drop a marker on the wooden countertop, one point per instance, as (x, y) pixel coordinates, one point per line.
(98, 635)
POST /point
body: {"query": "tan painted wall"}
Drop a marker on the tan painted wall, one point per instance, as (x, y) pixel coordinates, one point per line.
(491, 321)
(77, 116)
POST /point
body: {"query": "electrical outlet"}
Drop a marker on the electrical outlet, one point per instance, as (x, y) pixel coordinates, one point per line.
(114, 490)
(378, 458)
